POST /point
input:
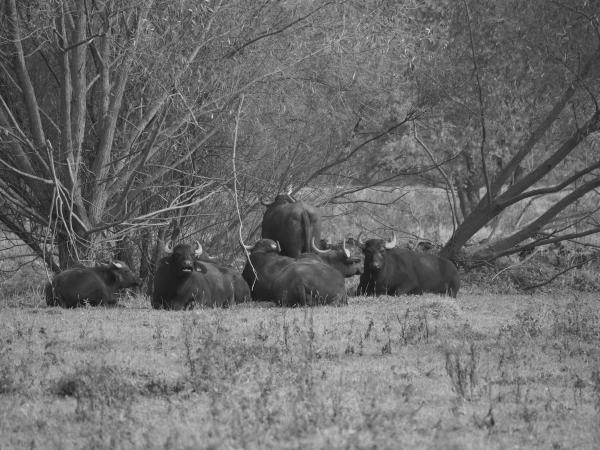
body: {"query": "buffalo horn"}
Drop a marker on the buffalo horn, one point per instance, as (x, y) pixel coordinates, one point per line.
(262, 202)
(392, 243)
(346, 251)
(198, 251)
(169, 246)
(278, 246)
(118, 265)
(289, 194)
(360, 239)
(317, 249)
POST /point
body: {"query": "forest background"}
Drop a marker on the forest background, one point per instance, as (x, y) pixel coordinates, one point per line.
(127, 123)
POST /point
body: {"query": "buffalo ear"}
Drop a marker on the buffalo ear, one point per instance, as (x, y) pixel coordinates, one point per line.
(199, 267)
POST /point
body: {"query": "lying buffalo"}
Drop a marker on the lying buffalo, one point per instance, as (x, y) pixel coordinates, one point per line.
(185, 278)
(396, 271)
(336, 256)
(234, 286)
(89, 285)
(289, 282)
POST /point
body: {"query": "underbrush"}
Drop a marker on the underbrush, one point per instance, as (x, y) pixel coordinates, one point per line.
(538, 274)
(425, 371)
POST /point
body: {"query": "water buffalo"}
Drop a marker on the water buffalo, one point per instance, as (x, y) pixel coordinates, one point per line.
(186, 278)
(234, 285)
(396, 271)
(291, 223)
(337, 256)
(290, 282)
(89, 285)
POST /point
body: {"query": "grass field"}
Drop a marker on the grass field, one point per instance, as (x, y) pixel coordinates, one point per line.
(481, 371)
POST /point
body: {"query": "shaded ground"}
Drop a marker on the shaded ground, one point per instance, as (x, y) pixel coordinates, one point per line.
(482, 371)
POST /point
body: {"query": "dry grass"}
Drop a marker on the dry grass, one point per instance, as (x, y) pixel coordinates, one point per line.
(482, 371)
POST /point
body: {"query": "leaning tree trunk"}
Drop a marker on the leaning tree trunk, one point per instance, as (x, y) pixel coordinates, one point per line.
(492, 204)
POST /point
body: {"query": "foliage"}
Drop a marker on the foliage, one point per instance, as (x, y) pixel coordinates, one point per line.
(123, 122)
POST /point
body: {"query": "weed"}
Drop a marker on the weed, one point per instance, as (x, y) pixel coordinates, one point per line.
(575, 320)
(462, 370)
(387, 347)
(158, 335)
(413, 328)
(95, 387)
(528, 323)
(595, 379)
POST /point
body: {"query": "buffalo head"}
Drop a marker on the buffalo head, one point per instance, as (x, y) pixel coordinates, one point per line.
(184, 258)
(124, 276)
(263, 246)
(339, 257)
(280, 199)
(374, 250)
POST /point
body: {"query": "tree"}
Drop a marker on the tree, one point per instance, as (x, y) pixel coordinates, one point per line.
(522, 97)
(111, 112)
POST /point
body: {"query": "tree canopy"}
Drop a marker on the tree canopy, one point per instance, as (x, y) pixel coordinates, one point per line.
(123, 121)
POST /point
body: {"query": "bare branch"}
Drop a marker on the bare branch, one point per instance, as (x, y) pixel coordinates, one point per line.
(481, 107)
(562, 272)
(450, 188)
(275, 32)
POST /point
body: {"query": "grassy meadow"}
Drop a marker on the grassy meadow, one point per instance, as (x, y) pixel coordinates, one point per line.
(479, 371)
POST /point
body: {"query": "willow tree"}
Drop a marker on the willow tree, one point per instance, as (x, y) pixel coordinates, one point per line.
(515, 88)
(107, 110)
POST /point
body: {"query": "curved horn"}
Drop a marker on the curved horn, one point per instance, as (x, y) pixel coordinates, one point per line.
(198, 250)
(360, 239)
(316, 249)
(267, 204)
(278, 246)
(346, 251)
(169, 246)
(392, 243)
(289, 194)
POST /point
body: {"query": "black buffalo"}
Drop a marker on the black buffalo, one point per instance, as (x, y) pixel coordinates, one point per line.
(233, 284)
(396, 271)
(291, 223)
(337, 256)
(89, 285)
(290, 282)
(185, 278)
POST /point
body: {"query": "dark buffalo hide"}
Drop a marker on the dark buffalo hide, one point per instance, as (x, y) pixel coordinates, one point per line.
(89, 285)
(396, 271)
(293, 224)
(186, 278)
(233, 284)
(290, 282)
(339, 256)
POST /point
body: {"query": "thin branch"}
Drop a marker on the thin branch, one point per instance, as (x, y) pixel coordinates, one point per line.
(481, 107)
(235, 186)
(550, 189)
(540, 131)
(562, 272)
(450, 190)
(275, 32)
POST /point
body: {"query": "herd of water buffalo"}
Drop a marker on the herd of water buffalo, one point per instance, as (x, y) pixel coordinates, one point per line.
(285, 266)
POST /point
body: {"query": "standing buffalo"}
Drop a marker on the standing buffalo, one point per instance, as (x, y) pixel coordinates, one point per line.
(395, 271)
(338, 257)
(290, 282)
(89, 285)
(293, 224)
(185, 277)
